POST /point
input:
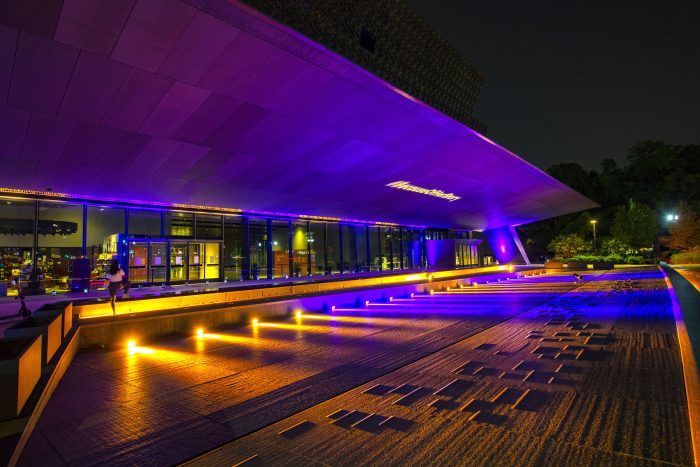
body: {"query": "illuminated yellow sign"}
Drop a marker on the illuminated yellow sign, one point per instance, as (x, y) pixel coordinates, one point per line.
(404, 185)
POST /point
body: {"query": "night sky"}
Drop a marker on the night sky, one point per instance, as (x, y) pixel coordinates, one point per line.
(579, 81)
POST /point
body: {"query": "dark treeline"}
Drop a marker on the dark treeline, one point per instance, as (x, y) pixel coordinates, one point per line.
(662, 177)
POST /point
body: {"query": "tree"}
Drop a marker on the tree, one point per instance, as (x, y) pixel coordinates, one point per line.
(581, 225)
(568, 245)
(575, 176)
(635, 225)
(613, 246)
(685, 232)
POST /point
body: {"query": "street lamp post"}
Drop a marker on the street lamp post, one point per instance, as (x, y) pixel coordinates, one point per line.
(594, 222)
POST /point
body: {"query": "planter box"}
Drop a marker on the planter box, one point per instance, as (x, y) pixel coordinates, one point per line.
(49, 311)
(20, 369)
(553, 265)
(603, 265)
(48, 327)
(576, 265)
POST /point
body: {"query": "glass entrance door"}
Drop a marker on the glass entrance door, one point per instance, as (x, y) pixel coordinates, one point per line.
(178, 262)
(211, 259)
(196, 261)
(138, 262)
(158, 266)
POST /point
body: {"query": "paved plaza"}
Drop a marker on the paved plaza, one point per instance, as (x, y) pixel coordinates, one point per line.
(539, 370)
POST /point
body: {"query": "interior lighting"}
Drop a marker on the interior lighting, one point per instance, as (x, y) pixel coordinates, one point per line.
(333, 308)
(200, 333)
(411, 294)
(255, 321)
(367, 303)
(432, 292)
(298, 314)
(391, 299)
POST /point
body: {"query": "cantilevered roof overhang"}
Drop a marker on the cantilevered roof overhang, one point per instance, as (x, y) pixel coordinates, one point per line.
(212, 103)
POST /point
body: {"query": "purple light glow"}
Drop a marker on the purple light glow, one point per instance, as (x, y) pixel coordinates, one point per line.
(301, 131)
(502, 244)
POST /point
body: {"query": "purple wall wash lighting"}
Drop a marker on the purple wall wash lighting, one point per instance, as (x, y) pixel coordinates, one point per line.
(502, 244)
(159, 205)
(228, 108)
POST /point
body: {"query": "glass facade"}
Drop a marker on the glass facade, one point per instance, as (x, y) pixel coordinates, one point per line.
(333, 242)
(386, 245)
(235, 247)
(375, 248)
(397, 259)
(60, 263)
(179, 224)
(317, 251)
(281, 265)
(258, 248)
(17, 243)
(363, 263)
(72, 245)
(104, 226)
(301, 249)
(349, 250)
(145, 223)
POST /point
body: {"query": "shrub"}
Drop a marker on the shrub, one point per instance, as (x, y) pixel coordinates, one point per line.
(617, 259)
(616, 247)
(689, 256)
(586, 258)
(633, 259)
(569, 245)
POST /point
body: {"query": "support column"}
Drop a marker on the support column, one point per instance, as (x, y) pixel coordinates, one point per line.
(519, 244)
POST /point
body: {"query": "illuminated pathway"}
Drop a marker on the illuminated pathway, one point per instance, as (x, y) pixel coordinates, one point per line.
(592, 377)
(395, 382)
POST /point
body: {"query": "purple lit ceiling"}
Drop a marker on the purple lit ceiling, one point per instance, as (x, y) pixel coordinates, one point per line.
(209, 102)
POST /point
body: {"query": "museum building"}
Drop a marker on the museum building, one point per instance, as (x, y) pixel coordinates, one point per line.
(214, 140)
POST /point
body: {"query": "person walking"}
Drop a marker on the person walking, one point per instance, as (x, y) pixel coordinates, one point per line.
(24, 311)
(116, 282)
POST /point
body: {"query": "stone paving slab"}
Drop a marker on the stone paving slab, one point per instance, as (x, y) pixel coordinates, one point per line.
(176, 398)
(604, 406)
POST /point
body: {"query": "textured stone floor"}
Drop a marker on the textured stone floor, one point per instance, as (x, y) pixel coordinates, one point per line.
(538, 370)
(591, 377)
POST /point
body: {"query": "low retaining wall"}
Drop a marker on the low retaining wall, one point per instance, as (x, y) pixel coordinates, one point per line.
(213, 298)
(118, 332)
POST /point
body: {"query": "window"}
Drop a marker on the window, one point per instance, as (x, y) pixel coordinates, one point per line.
(280, 249)
(16, 242)
(104, 225)
(143, 223)
(208, 226)
(258, 248)
(349, 250)
(362, 258)
(396, 253)
(375, 248)
(235, 249)
(386, 248)
(333, 259)
(61, 265)
(300, 249)
(317, 249)
(178, 224)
